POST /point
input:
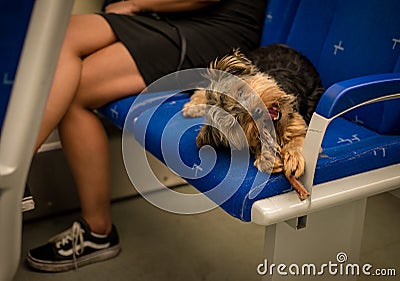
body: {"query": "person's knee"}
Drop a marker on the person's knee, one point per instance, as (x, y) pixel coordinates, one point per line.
(72, 37)
(87, 33)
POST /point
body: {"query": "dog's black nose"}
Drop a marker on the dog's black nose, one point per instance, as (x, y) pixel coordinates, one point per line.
(257, 113)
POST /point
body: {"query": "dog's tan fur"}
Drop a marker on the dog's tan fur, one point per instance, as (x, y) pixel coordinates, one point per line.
(290, 128)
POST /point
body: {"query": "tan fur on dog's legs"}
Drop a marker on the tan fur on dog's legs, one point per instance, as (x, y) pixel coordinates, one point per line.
(196, 107)
(292, 157)
(267, 162)
(278, 164)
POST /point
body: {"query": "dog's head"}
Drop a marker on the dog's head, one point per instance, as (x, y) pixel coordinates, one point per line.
(243, 105)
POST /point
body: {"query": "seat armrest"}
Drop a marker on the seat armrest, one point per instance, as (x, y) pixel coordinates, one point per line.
(346, 95)
(337, 100)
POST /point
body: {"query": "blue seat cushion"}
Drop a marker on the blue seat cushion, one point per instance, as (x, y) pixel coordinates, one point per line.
(116, 111)
(348, 149)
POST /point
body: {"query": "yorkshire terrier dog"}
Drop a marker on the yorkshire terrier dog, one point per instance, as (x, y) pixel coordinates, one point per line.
(264, 101)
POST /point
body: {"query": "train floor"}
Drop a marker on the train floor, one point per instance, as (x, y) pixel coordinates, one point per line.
(157, 245)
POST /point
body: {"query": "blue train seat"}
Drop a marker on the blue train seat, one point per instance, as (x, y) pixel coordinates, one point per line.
(355, 46)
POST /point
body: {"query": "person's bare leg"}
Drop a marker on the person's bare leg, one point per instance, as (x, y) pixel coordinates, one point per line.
(75, 89)
(107, 74)
(85, 35)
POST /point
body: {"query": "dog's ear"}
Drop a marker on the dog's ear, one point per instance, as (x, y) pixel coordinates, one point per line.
(236, 64)
(286, 99)
(287, 103)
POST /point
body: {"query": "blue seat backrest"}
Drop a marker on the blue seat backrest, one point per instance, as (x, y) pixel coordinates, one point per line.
(344, 39)
(14, 19)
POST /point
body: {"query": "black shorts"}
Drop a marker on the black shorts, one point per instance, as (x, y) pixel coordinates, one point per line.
(155, 42)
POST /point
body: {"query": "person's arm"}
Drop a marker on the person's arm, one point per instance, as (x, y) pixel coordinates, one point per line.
(159, 6)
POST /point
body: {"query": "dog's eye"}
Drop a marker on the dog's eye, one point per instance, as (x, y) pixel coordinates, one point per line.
(240, 92)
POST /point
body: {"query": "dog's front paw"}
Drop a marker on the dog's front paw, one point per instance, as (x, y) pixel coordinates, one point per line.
(193, 110)
(293, 163)
(267, 163)
(278, 165)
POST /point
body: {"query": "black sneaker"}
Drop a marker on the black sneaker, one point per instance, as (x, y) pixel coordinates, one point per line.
(75, 247)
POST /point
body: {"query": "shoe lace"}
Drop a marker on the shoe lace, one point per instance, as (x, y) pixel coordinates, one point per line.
(73, 235)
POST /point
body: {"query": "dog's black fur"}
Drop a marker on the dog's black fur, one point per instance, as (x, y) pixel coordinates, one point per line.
(294, 73)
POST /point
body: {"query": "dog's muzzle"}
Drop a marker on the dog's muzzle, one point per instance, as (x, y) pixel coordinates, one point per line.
(273, 112)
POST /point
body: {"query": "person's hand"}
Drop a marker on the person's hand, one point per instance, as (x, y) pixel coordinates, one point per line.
(122, 7)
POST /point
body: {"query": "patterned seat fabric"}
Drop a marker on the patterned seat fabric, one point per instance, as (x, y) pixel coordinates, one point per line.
(344, 39)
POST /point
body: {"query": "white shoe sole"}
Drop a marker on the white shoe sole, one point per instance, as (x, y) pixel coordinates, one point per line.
(59, 266)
